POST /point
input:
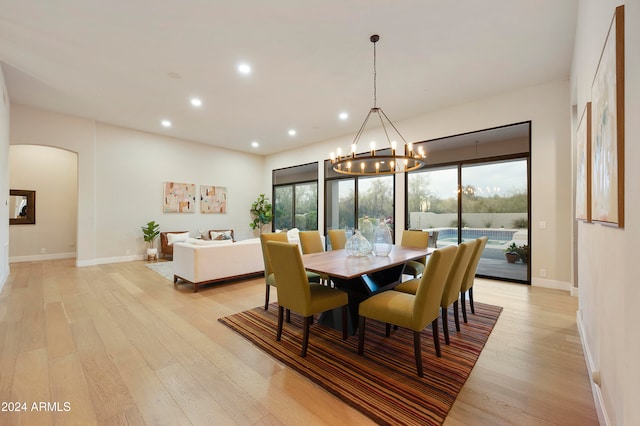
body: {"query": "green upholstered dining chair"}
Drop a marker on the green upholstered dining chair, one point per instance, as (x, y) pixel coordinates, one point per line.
(452, 286)
(469, 277)
(295, 293)
(311, 242)
(415, 239)
(268, 270)
(413, 311)
(337, 238)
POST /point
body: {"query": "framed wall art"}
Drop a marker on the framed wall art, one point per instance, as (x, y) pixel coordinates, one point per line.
(213, 199)
(583, 166)
(179, 197)
(607, 133)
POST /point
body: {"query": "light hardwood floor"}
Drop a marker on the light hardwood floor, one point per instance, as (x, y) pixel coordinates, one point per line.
(119, 345)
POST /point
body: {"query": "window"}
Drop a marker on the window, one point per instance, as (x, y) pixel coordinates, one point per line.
(295, 195)
(352, 201)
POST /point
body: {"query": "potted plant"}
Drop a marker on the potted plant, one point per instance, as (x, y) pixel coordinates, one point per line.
(151, 232)
(511, 253)
(261, 213)
(523, 253)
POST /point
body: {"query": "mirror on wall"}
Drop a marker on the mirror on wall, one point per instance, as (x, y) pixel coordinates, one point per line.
(22, 207)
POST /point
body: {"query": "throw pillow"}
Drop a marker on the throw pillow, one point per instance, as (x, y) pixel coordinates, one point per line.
(177, 238)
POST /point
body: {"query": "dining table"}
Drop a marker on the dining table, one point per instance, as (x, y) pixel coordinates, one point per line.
(360, 277)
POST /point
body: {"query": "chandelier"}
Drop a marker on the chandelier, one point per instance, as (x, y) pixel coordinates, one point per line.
(368, 163)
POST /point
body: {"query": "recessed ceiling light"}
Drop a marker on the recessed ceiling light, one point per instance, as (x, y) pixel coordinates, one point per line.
(292, 132)
(166, 123)
(196, 102)
(255, 144)
(343, 116)
(244, 69)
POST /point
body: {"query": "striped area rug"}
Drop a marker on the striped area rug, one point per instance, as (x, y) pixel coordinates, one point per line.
(383, 383)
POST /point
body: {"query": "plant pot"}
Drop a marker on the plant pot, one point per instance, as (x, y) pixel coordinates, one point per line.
(152, 251)
(511, 257)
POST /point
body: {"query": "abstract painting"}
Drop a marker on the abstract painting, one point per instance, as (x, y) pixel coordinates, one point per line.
(213, 199)
(179, 197)
(607, 97)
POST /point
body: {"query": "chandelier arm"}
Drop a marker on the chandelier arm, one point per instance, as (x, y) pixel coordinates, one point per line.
(364, 124)
(384, 127)
(392, 125)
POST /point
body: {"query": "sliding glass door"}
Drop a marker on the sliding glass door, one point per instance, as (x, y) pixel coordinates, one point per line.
(494, 198)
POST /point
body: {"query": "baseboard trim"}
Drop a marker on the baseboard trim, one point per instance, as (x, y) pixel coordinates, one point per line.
(594, 375)
(39, 257)
(105, 260)
(556, 285)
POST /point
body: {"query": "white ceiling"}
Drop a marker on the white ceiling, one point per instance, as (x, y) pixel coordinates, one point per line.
(117, 61)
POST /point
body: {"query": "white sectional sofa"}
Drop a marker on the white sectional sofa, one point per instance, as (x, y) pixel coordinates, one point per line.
(202, 262)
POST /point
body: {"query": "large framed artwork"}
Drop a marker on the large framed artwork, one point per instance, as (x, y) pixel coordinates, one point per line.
(583, 166)
(179, 197)
(607, 134)
(213, 199)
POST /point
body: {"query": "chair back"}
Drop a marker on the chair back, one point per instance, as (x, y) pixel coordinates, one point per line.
(470, 275)
(337, 238)
(311, 242)
(293, 285)
(433, 239)
(427, 299)
(458, 269)
(264, 238)
(415, 239)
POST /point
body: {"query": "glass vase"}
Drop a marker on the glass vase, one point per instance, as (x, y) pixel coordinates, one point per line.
(382, 242)
(357, 245)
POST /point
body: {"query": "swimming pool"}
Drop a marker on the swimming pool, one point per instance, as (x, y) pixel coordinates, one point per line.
(496, 236)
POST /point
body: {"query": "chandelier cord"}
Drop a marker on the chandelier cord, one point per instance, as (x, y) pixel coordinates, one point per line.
(375, 87)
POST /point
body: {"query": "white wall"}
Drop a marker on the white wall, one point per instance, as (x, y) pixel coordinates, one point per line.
(548, 108)
(120, 178)
(53, 174)
(4, 181)
(608, 286)
(130, 173)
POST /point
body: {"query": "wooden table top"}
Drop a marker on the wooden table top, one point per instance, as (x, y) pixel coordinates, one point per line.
(337, 263)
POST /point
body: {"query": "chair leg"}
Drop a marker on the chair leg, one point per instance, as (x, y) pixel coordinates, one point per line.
(345, 325)
(456, 317)
(445, 325)
(473, 309)
(280, 315)
(288, 315)
(417, 348)
(463, 298)
(387, 330)
(436, 337)
(266, 298)
(305, 335)
(361, 325)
